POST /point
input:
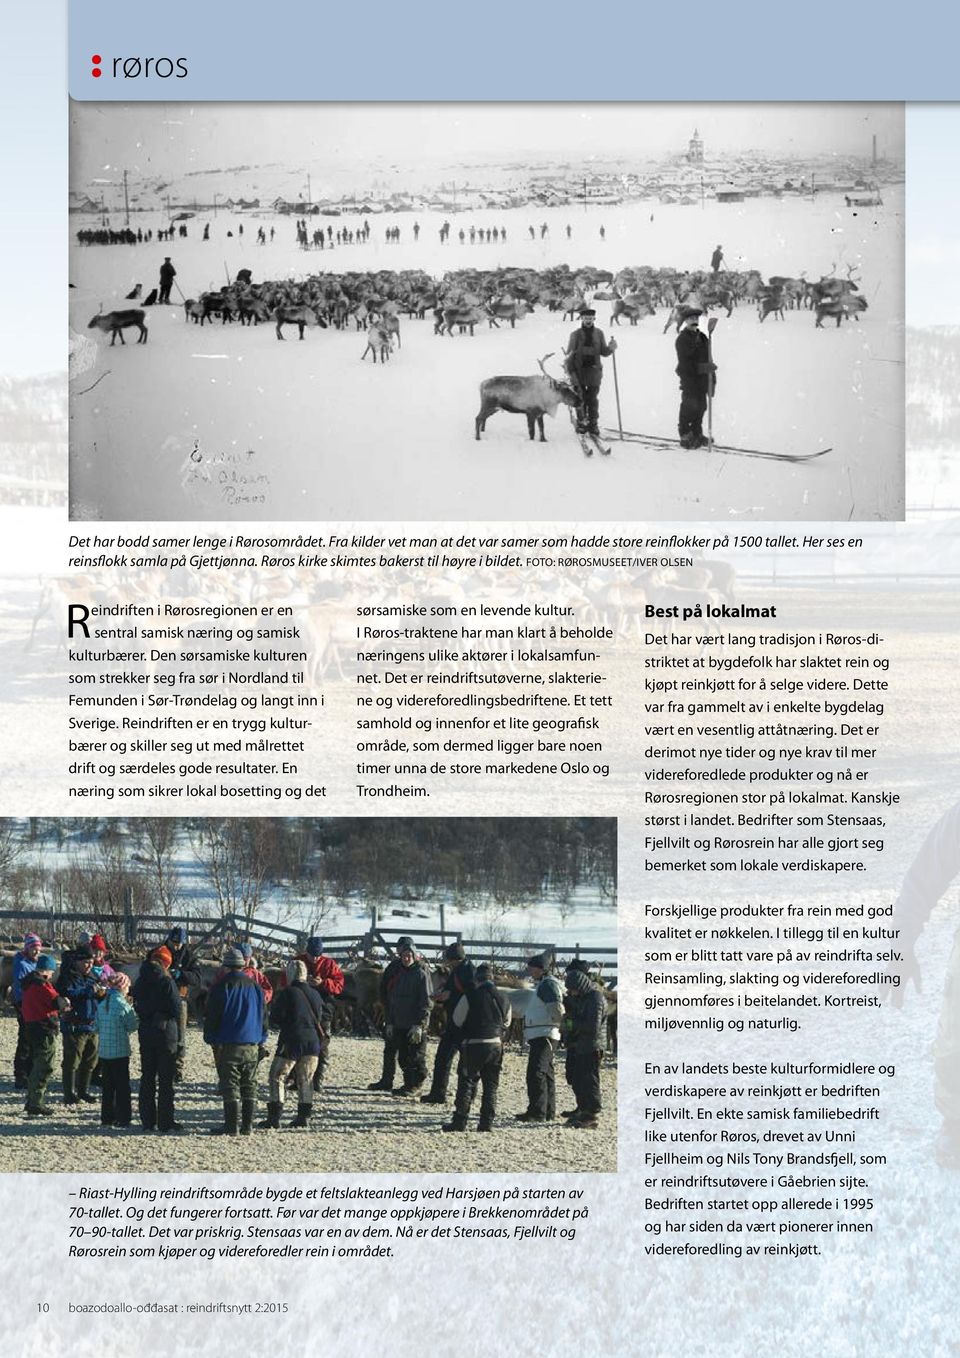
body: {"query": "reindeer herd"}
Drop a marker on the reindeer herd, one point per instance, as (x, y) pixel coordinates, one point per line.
(374, 302)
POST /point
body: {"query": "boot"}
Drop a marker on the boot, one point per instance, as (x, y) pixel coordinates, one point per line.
(231, 1121)
(248, 1109)
(303, 1116)
(69, 1093)
(433, 1097)
(382, 1084)
(458, 1123)
(485, 1125)
(272, 1120)
(317, 1080)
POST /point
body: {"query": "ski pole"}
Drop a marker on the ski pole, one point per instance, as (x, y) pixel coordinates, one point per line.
(711, 326)
(616, 392)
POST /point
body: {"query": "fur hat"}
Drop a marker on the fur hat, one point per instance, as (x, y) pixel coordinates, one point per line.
(539, 961)
(296, 970)
(454, 952)
(484, 973)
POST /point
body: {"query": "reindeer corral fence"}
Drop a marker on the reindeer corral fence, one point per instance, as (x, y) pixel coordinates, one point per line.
(130, 931)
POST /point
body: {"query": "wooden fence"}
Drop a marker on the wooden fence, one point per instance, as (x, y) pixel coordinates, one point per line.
(215, 932)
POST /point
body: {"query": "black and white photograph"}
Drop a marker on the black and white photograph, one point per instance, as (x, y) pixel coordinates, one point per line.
(308, 994)
(525, 312)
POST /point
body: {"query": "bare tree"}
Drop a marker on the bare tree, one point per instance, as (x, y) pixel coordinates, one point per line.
(157, 838)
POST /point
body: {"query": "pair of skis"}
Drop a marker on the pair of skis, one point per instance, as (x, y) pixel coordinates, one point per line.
(591, 443)
(668, 444)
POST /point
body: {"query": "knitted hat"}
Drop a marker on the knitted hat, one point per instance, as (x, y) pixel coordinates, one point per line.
(83, 938)
(83, 954)
(454, 952)
(98, 943)
(314, 946)
(163, 956)
(296, 970)
(539, 961)
(577, 980)
(484, 973)
(405, 944)
(247, 950)
(588, 311)
(232, 957)
(46, 963)
(32, 940)
(119, 981)
(177, 935)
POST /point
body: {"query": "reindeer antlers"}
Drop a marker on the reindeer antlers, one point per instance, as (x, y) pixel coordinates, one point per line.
(541, 361)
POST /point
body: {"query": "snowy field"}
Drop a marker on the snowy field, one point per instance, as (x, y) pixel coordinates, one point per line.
(308, 431)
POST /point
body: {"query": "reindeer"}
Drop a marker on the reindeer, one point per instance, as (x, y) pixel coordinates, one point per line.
(115, 322)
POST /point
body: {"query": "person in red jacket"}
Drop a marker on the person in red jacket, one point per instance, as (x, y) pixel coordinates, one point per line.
(324, 975)
(42, 1007)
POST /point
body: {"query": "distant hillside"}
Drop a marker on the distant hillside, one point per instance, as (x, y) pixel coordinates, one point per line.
(933, 387)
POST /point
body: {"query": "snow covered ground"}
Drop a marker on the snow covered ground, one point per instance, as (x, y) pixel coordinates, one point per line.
(308, 431)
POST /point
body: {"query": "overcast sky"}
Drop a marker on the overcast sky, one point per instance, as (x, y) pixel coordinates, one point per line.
(155, 139)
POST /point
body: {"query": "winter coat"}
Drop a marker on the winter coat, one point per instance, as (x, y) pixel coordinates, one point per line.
(406, 994)
(183, 968)
(236, 1011)
(39, 1001)
(81, 1017)
(23, 967)
(482, 1014)
(456, 986)
(584, 351)
(296, 1011)
(325, 971)
(693, 363)
(585, 1023)
(116, 1020)
(262, 980)
(544, 1014)
(157, 1003)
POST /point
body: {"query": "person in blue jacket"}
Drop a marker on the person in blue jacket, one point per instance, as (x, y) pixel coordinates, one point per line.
(235, 1027)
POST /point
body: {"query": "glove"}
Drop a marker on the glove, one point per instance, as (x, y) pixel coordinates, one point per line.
(416, 1035)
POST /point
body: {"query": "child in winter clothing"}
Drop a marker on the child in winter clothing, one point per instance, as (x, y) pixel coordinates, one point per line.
(116, 1020)
(41, 1006)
